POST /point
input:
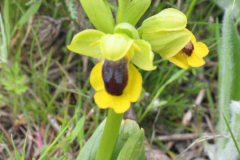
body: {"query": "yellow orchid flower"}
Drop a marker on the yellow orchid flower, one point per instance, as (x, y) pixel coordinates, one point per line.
(117, 82)
(191, 55)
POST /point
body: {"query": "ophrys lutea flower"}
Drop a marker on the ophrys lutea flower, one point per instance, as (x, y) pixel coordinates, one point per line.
(191, 55)
(116, 80)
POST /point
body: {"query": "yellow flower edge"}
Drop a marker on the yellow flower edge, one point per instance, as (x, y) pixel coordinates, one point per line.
(121, 103)
(199, 51)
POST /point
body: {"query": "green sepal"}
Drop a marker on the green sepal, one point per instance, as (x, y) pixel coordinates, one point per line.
(122, 5)
(115, 46)
(100, 15)
(168, 43)
(127, 29)
(167, 20)
(84, 43)
(133, 148)
(143, 58)
(128, 128)
(135, 10)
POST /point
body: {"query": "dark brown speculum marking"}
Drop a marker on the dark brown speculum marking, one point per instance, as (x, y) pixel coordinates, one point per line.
(115, 76)
(188, 49)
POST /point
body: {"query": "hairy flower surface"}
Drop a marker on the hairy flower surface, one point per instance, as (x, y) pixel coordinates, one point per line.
(191, 55)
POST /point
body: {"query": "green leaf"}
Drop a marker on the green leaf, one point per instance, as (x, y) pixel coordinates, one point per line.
(84, 43)
(232, 135)
(3, 42)
(128, 128)
(227, 3)
(8, 85)
(43, 149)
(135, 10)
(60, 158)
(21, 79)
(6, 35)
(133, 148)
(24, 148)
(18, 157)
(77, 129)
(89, 150)
(71, 9)
(229, 75)
(99, 13)
(9, 76)
(31, 11)
(21, 89)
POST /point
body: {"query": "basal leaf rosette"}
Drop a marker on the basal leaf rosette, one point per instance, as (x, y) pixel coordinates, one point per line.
(116, 80)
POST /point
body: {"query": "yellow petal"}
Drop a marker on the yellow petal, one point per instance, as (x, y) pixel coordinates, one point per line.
(193, 38)
(103, 99)
(195, 61)
(120, 104)
(134, 85)
(96, 77)
(180, 60)
(200, 49)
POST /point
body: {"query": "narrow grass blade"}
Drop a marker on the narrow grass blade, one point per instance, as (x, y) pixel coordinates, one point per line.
(230, 130)
(57, 138)
(18, 157)
(173, 78)
(3, 43)
(6, 21)
(31, 11)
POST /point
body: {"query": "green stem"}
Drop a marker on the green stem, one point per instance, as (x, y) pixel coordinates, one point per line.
(110, 135)
(15, 107)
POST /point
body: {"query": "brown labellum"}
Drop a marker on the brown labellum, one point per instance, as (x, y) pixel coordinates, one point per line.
(115, 76)
(188, 49)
